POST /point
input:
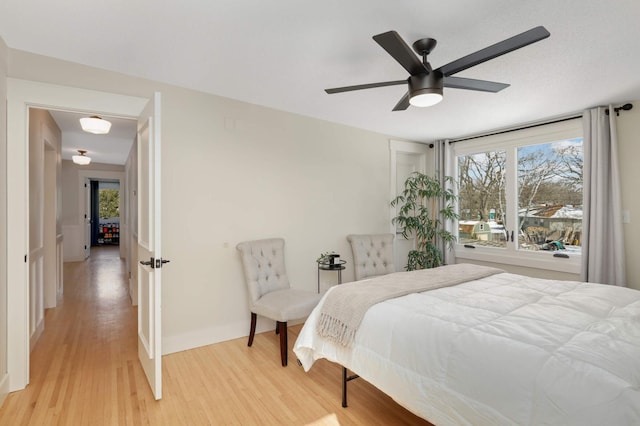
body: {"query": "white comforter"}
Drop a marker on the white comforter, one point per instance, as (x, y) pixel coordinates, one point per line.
(506, 349)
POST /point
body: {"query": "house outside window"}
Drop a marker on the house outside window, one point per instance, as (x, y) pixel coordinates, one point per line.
(520, 197)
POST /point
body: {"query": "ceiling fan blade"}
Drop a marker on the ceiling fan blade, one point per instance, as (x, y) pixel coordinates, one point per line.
(473, 84)
(365, 86)
(402, 103)
(505, 46)
(398, 49)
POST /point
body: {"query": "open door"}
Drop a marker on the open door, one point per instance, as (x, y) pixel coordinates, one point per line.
(149, 246)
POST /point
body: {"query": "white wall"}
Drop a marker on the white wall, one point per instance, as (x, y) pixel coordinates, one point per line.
(4, 378)
(234, 171)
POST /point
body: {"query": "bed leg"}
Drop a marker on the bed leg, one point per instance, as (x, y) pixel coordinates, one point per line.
(344, 387)
(346, 378)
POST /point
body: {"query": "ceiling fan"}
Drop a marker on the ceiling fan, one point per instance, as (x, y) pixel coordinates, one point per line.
(426, 84)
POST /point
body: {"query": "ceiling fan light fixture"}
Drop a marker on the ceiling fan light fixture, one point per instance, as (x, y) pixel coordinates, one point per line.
(425, 90)
(426, 98)
(96, 125)
(81, 159)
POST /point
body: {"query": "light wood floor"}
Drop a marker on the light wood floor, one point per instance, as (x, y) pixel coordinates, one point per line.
(84, 371)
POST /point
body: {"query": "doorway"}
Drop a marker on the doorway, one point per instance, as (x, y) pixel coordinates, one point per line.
(23, 94)
(105, 213)
(54, 195)
(406, 158)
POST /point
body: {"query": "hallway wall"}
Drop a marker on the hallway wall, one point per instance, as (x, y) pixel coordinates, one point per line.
(45, 148)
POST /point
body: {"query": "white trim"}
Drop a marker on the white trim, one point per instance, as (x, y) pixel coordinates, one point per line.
(22, 94)
(217, 334)
(395, 147)
(529, 259)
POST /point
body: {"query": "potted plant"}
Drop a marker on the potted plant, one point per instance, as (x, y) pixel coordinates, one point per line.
(419, 217)
(330, 259)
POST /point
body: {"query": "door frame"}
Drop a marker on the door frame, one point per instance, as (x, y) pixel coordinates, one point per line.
(21, 95)
(97, 175)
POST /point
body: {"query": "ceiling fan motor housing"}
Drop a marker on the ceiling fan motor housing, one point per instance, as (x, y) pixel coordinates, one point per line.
(426, 83)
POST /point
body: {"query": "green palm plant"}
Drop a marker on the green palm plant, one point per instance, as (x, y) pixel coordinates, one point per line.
(419, 217)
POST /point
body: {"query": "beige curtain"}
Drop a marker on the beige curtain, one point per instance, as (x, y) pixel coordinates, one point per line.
(602, 240)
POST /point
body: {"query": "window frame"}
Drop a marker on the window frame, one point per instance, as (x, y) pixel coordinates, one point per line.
(509, 142)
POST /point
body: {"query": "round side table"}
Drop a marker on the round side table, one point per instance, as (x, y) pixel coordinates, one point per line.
(337, 267)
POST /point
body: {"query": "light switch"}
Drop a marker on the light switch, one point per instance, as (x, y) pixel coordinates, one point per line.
(626, 216)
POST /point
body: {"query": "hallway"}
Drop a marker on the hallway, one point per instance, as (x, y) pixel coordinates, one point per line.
(84, 368)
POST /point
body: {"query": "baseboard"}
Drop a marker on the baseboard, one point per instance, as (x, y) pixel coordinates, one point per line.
(204, 337)
(212, 335)
(36, 334)
(4, 388)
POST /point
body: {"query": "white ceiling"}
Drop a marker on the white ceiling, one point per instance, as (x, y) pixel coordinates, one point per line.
(112, 148)
(283, 54)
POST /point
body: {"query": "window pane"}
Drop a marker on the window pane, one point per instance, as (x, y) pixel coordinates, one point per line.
(550, 196)
(482, 204)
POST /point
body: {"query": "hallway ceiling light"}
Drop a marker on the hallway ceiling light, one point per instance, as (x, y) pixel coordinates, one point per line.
(95, 125)
(81, 159)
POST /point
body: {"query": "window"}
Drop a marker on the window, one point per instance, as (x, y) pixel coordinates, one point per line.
(520, 196)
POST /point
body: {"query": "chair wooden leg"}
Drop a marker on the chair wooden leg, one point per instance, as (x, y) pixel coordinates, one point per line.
(252, 330)
(282, 328)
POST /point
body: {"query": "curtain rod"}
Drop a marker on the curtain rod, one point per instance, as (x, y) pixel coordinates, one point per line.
(515, 129)
(625, 107)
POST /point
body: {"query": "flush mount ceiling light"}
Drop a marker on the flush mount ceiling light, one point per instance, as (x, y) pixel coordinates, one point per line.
(95, 125)
(81, 159)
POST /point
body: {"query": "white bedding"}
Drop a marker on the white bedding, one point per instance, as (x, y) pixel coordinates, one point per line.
(506, 349)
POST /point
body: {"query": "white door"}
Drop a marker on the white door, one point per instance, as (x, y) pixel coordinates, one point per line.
(87, 218)
(150, 246)
(406, 158)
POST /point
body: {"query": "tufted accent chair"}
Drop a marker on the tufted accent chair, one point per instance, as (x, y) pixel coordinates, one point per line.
(269, 292)
(372, 255)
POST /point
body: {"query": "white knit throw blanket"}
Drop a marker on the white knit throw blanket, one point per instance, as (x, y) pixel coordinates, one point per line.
(345, 305)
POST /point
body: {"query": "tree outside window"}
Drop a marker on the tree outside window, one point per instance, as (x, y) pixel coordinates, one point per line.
(548, 191)
(109, 203)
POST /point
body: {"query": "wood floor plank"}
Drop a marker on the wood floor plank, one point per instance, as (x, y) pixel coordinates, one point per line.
(85, 371)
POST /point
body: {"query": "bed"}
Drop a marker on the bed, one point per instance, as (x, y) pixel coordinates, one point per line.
(493, 349)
